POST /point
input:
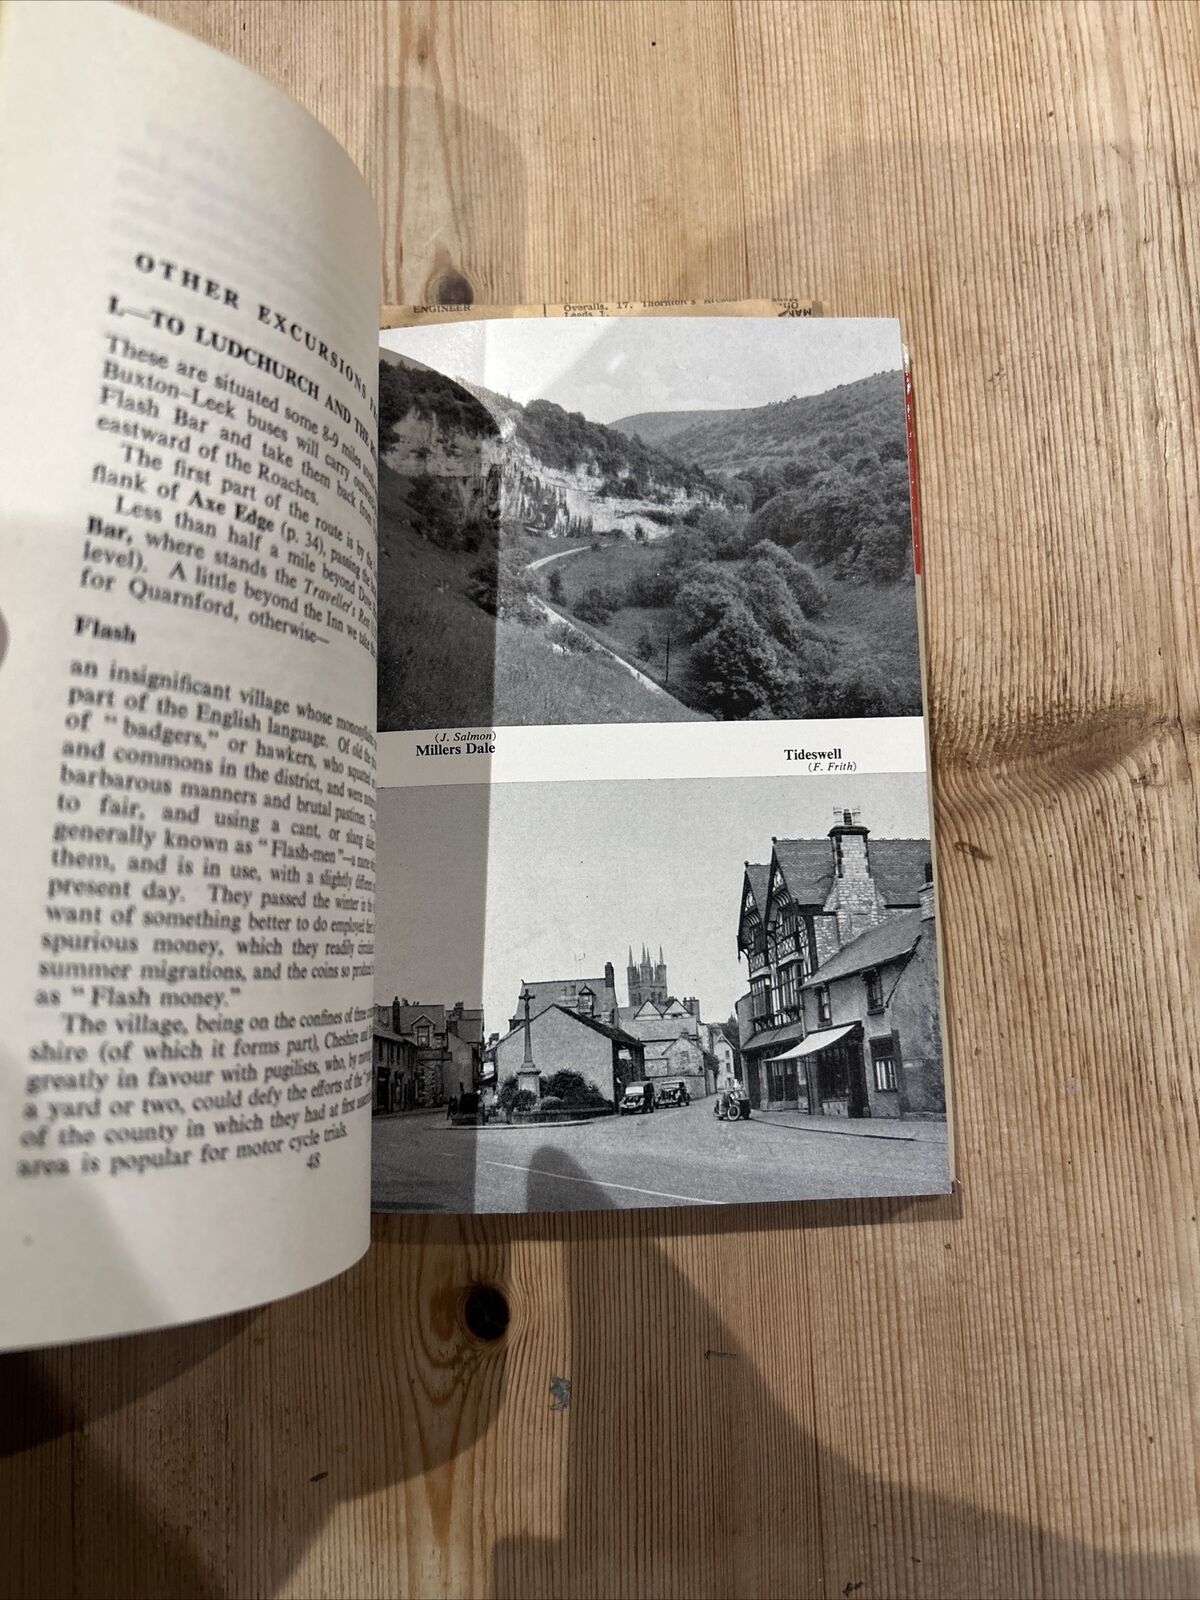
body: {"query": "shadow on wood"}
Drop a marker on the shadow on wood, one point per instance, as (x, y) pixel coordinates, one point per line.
(696, 1470)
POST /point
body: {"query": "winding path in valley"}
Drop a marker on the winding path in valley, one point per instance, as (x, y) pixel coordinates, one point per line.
(561, 555)
(558, 555)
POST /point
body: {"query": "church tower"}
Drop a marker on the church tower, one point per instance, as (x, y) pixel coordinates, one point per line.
(647, 978)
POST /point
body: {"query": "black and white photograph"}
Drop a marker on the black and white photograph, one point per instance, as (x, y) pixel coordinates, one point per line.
(680, 992)
(662, 519)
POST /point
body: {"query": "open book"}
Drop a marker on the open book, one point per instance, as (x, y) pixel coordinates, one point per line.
(631, 896)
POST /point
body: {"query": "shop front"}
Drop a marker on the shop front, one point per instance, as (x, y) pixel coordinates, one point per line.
(823, 1073)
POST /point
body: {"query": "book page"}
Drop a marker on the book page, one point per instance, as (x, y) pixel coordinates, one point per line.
(656, 916)
(187, 508)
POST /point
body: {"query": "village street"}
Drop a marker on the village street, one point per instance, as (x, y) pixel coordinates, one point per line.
(675, 1156)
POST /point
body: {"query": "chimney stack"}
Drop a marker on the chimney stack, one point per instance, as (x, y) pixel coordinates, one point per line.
(853, 897)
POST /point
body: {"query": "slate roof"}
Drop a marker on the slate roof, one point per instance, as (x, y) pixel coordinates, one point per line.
(759, 874)
(658, 1026)
(888, 942)
(808, 870)
(897, 866)
(562, 991)
(435, 1015)
(382, 1032)
(617, 1034)
(662, 1052)
(468, 1026)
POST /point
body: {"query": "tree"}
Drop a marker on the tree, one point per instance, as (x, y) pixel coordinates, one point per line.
(883, 552)
(732, 672)
(572, 1088)
(820, 518)
(524, 1102)
(554, 584)
(859, 689)
(404, 386)
(483, 585)
(810, 593)
(723, 533)
(703, 600)
(502, 585)
(436, 510)
(595, 604)
(771, 600)
(646, 646)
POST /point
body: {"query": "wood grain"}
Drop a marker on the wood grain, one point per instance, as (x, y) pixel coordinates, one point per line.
(992, 1396)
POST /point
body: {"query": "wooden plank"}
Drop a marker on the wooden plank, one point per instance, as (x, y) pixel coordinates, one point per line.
(992, 1395)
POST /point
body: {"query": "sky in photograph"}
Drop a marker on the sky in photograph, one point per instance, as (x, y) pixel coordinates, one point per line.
(609, 368)
(483, 887)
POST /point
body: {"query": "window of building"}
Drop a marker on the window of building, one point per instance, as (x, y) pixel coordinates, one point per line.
(833, 1073)
(802, 936)
(760, 999)
(883, 1061)
(789, 992)
(754, 941)
(587, 1002)
(874, 985)
(423, 1035)
(824, 1010)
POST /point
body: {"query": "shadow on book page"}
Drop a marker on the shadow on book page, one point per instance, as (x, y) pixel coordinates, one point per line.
(685, 992)
(644, 520)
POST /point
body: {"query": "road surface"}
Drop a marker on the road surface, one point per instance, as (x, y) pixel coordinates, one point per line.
(675, 1156)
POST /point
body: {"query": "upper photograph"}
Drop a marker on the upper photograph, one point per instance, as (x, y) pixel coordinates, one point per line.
(659, 519)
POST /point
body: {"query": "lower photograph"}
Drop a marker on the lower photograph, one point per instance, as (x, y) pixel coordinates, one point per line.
(684, 992)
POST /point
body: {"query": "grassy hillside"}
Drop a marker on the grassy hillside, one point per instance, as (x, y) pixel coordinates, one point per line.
(770, 555)
(837, 426)
(661, 428)
(445, 662)
(848, 649)
(567, 439)
(554, 437)
(825, 475)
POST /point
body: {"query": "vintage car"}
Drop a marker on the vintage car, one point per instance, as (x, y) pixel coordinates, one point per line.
(636, 1097)
(674, 1094)
(465, 1110)
(732, 1104)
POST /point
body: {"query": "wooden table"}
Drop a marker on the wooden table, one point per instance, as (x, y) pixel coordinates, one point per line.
(994, 1395)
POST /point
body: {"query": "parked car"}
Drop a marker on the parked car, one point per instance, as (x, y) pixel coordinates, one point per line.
(467, 1109)
(636, 1097)
(732, 1105)
(674, 1094)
